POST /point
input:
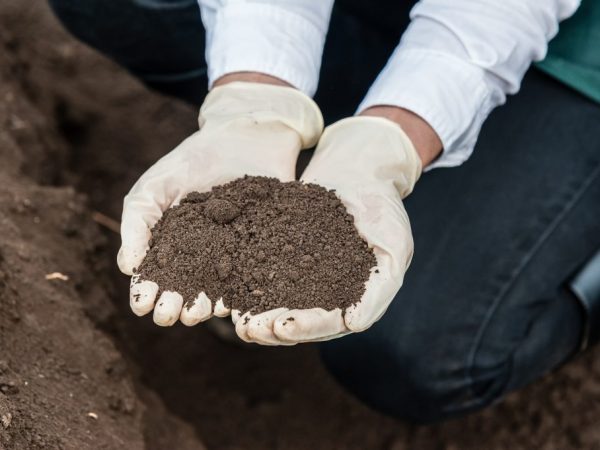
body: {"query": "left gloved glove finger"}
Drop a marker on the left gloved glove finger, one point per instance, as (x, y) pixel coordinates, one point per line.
(135, 244)
(304, 325)
(196, 311)
(168, 308)
(142, 295)
(240, 320)
(259, 328)
(220, 309)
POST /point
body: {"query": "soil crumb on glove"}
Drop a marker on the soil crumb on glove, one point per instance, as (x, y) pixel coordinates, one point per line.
(260, 244)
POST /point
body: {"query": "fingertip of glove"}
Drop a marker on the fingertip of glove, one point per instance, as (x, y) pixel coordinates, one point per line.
(356, 319)
(129, 259)
(361, 317)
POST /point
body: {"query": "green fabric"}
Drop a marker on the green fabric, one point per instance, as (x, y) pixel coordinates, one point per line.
(574, 55)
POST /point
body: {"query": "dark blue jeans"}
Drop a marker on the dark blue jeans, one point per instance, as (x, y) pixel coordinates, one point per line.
(484, 308)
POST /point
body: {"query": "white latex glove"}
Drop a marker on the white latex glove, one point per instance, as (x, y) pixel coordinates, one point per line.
(372, 165)
(245, 129)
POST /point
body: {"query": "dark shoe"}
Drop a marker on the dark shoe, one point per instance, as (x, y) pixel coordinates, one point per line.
(585, 286)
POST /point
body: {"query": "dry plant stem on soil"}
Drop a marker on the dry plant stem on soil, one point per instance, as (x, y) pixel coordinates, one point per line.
(260, 244)
(106, 222)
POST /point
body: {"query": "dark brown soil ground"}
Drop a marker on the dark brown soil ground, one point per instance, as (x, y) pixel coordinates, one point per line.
(73, 123)
(260, 244)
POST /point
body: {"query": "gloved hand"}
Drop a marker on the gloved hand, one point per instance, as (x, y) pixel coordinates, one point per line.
(245, 129)
(372, 165)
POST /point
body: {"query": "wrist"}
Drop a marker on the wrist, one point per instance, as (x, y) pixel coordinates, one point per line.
(251, 96)
(423, 137)
(366, 151)
(249, 77)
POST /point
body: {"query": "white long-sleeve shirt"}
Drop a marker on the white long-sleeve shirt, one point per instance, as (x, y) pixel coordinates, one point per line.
(456, 61)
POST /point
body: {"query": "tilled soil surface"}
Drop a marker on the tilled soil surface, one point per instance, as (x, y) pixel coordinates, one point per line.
(79, 371)
(64, 384)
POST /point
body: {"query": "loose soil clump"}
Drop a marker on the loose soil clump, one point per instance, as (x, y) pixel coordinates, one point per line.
(261, 244)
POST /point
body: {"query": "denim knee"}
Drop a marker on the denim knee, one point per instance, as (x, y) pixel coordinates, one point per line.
(399, 379)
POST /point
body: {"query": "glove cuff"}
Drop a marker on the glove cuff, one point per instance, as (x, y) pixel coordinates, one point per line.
(377, 145)
(265, 103)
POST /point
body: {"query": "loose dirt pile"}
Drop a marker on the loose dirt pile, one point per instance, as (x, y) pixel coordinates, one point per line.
(260, 244)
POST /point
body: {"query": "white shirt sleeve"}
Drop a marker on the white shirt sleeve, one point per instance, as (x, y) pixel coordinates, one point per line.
(283, 38)
(458, 59)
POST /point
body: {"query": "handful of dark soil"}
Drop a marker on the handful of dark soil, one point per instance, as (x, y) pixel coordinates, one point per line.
(260, 244)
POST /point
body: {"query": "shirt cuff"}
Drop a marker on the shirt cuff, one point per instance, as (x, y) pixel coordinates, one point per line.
(268, 39)
(446, 91)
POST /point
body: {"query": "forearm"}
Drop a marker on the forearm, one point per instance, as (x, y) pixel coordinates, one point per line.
(459, 59)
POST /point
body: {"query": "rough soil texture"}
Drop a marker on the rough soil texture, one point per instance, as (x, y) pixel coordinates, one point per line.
(260, 244)
(71, 118)
(64, 384)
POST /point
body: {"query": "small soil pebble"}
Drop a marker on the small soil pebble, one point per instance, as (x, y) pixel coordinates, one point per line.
(221, 211)
(260, 244)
